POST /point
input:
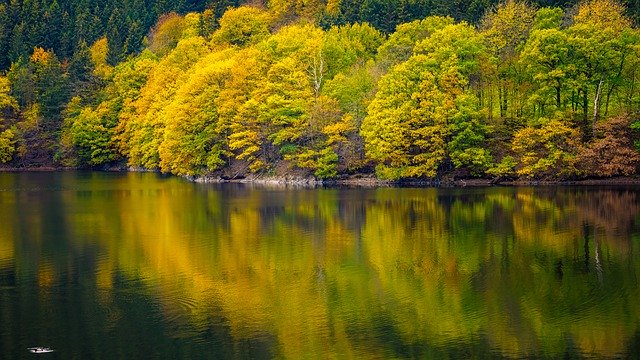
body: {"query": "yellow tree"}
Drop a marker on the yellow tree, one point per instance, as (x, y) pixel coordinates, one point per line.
(243, 26)
(270, 122)
(546, 150)
(195, 137)
(8, 108)
(142, 130)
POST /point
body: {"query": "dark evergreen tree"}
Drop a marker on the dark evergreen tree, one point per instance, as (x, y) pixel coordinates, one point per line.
(162, 7)
(52, 27)
(133, 43)
(5, 28)
(116, 37)
(81, 73)
(66, 36)
(18, 46)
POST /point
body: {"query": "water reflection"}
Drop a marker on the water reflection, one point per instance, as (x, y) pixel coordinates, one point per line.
(139, 266)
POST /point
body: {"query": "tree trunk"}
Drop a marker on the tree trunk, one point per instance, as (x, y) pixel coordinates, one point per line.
(596, 104)
(585, 107)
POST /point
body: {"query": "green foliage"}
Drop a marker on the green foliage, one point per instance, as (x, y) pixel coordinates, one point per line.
(346, 45)
(91, 135)
(422, 116)
(399, 46)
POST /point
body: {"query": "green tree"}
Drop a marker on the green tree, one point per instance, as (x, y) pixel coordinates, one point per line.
(82, 72)
(505, 30)
(399, 46)
(116, 37)
(423, 114)
(602, 40)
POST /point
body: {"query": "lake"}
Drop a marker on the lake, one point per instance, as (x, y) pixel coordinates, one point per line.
(144, 266)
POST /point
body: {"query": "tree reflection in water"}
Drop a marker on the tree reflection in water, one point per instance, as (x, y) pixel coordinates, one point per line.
(376, 273)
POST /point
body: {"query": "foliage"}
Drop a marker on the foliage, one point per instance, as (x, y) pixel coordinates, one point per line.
(243, 26)
(548, 150)
(611, 152)
(7, 146)
(194, 137)
(422, 116)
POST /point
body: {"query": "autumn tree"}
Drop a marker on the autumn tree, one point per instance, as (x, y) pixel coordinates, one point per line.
(141, 130)
(423, 115)
(611, 152)
(195, 138)
(8, 108)
(546, 150)
(243, 26)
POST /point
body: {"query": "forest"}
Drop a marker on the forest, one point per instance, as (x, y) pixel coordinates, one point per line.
(403, 89)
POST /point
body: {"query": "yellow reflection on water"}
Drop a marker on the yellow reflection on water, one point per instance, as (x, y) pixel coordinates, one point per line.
(337, 277)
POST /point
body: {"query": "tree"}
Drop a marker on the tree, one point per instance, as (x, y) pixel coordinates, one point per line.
(547, 150)
(116, 37)
(602, 40)
(81, 72)
(273, 120)
(52, 88)
(141, 131)
(166, 34)
(91, 132)
(505, 31)
(344, 46)
(611, 151)
(8, 108)
(399, 46)
(195, 138)
(547, 60)
(5, 28)
(423, 115)
(243, 26)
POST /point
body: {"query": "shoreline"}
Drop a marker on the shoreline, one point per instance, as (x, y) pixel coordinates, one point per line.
(357, 180)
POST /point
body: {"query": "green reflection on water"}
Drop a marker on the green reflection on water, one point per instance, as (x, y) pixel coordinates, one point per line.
(139, 265)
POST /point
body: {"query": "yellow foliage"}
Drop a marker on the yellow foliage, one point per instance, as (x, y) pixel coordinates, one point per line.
(548, 150)
(41, 56)
(194, 137)
(142, 130)
(6, 100)
(333, 7)
(165, 35)
(602, 14)
(99, 51)
(243, 26)
(7, 145)
(336, 132)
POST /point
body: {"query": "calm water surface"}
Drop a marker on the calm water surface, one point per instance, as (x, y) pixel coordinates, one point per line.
(141, 266)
